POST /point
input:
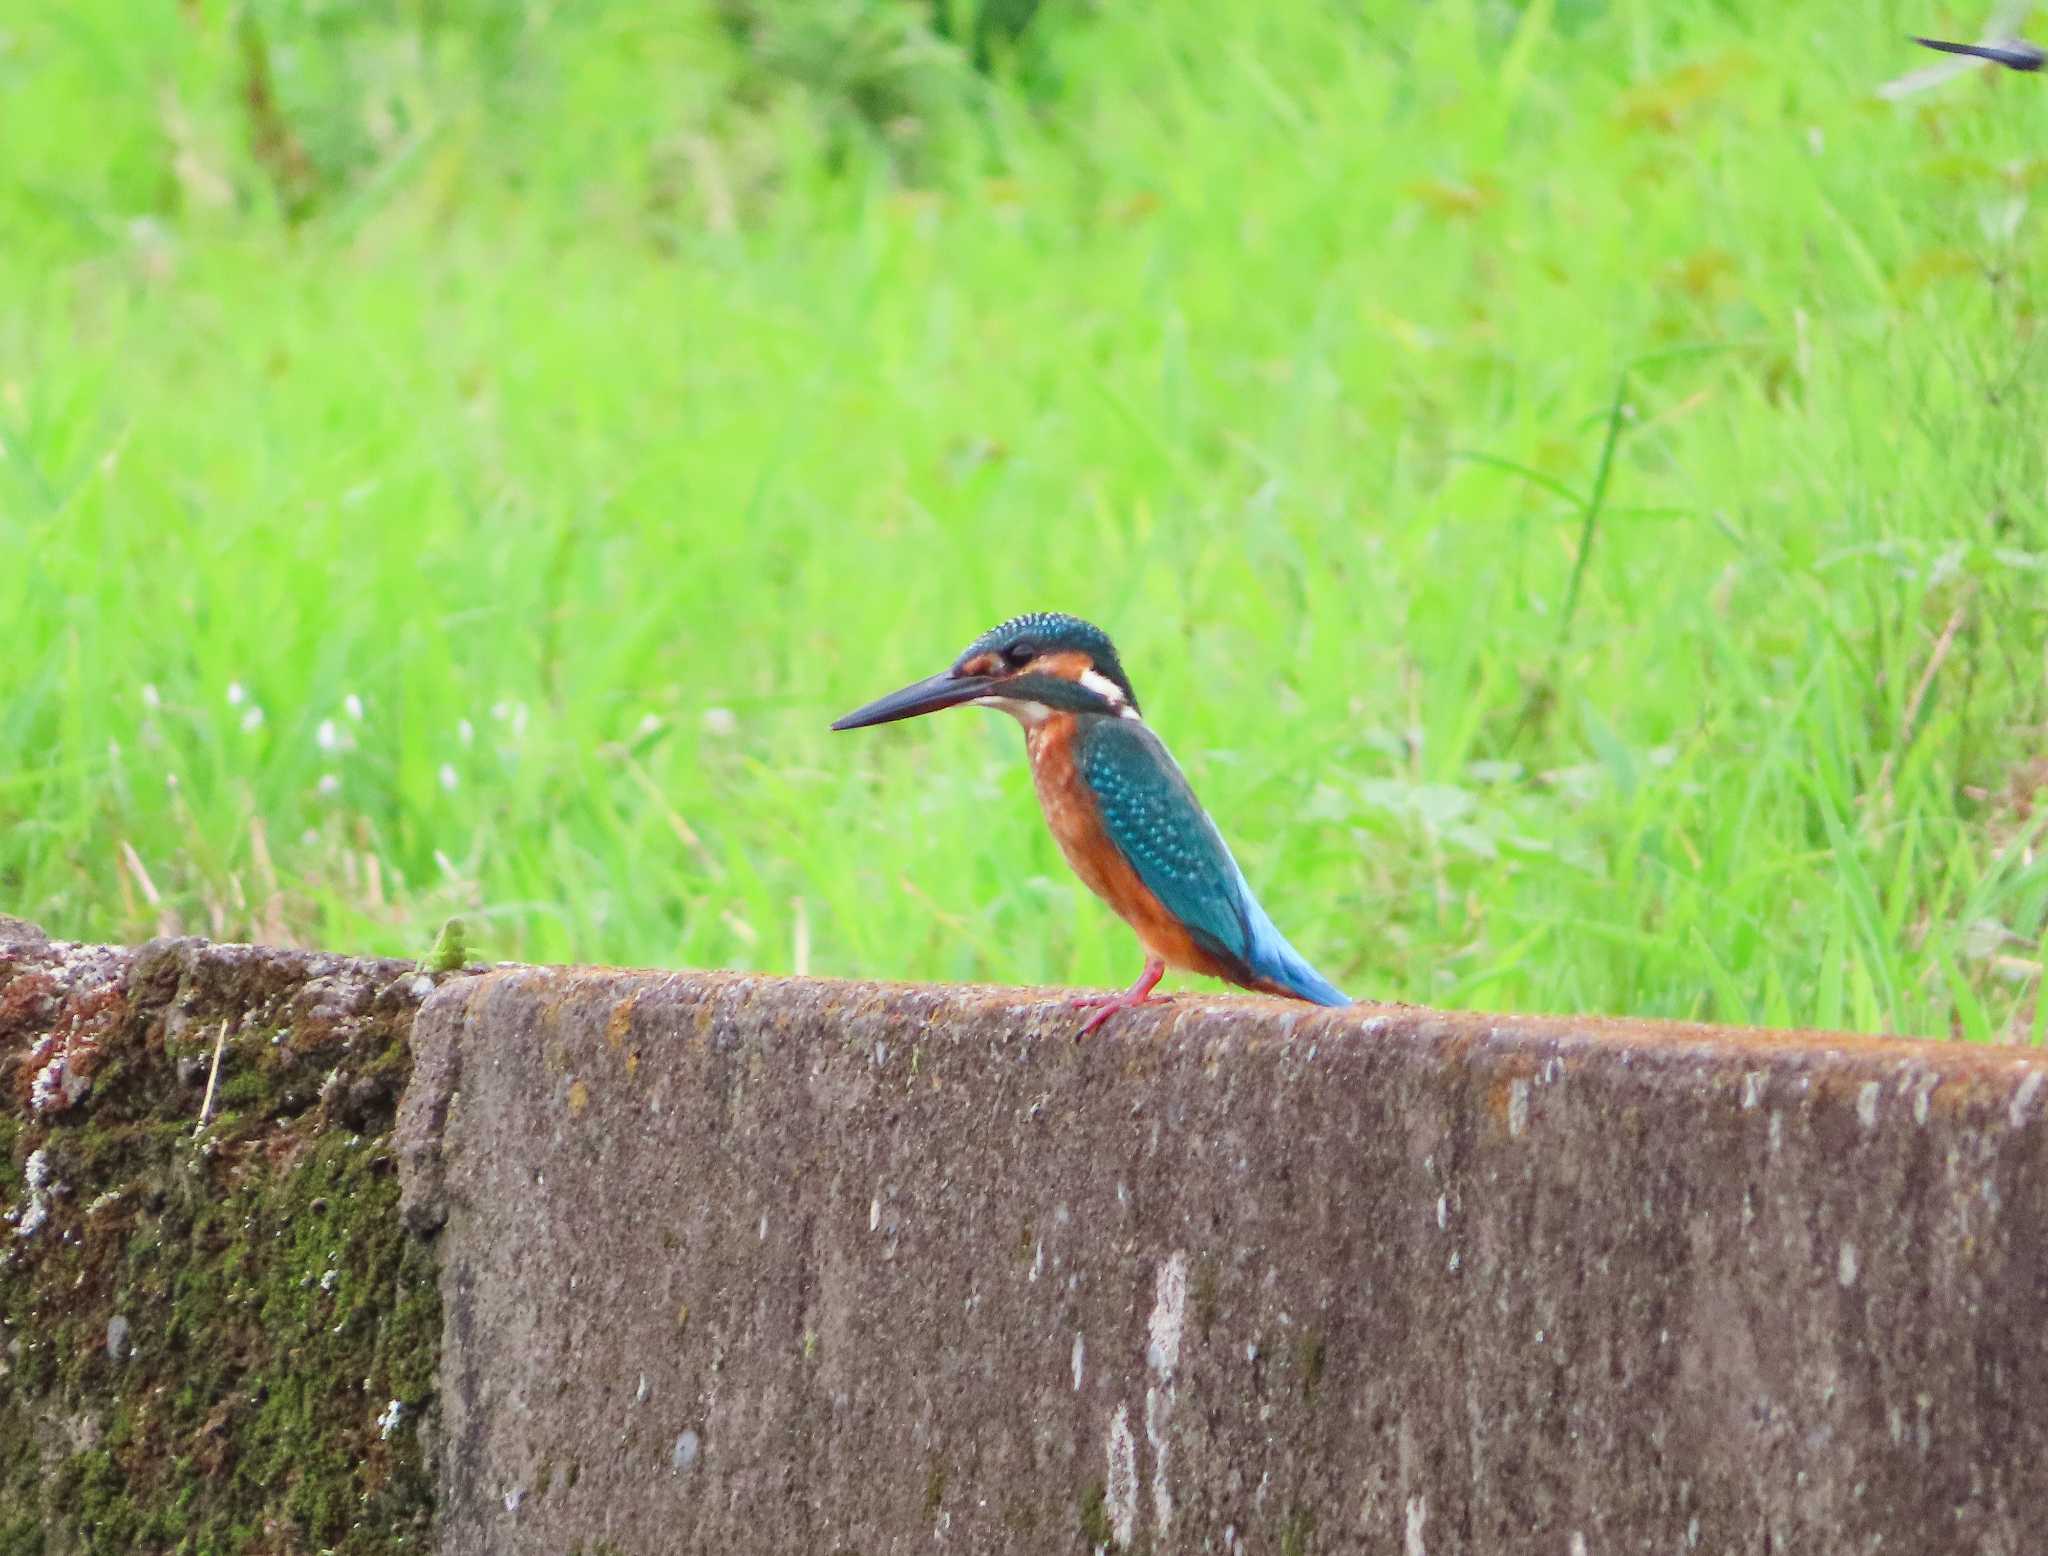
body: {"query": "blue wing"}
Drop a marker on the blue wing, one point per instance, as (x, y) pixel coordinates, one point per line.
(1158, 825)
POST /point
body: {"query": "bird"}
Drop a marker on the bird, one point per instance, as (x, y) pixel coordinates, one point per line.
(1118, 805)
(2013, 53)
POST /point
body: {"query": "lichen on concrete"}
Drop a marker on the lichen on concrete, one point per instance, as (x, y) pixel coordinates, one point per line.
(216, 1338)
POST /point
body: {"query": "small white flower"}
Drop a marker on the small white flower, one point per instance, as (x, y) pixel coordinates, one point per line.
(330, 784)
(465, 732)
(35, 1172)
(151, 697)
(719, 721)
(449, 779)
(649, 723)
(252, 720)
(235, 694)
(387, 1423)
(328, 735)
(352, 705)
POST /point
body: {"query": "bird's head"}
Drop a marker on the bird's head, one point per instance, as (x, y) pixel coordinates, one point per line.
(1030, 666)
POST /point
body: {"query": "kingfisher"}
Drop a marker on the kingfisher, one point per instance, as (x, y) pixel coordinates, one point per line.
(1118, 805)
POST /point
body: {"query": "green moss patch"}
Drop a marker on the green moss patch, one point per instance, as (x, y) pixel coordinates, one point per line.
(221, 1338)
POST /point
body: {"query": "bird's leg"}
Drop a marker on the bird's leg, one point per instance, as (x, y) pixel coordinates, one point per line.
(1107, 1005)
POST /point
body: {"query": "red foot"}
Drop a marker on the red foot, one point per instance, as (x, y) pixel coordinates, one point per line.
(1107, 1005)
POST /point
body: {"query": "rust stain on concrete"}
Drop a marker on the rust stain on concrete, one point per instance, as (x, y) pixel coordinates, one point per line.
(621, 1022)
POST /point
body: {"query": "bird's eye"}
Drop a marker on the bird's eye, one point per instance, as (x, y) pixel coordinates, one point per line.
(1021, 652)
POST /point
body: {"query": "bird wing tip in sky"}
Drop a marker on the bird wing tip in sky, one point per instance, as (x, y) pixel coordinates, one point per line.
(2003, 23)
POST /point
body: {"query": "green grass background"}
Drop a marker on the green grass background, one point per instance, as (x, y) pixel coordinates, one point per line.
(1566, 479)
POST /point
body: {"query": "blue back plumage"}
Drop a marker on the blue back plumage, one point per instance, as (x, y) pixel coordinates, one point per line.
(1158, 825)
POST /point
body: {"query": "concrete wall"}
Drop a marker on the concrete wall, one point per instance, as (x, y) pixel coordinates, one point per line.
(745, 1264)
(699, 1262)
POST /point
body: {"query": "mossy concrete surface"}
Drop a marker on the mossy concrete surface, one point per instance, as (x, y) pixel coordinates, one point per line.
(217, 1337)
(745, 1264)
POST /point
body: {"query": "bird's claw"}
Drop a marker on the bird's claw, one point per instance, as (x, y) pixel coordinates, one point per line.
(1116, 1001)
(1107, 1005)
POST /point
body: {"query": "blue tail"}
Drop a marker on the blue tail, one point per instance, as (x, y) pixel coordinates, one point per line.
(1274, 960)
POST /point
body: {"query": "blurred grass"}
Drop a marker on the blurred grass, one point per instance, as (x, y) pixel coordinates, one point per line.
(459, 457)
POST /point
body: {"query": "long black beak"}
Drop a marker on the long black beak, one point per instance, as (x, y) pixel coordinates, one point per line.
(945, 690)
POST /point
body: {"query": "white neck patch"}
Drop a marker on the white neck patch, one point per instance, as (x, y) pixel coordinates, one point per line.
(1109, 692)
(1032, 714)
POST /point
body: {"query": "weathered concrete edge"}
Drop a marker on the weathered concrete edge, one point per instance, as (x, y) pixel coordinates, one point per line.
(1044, 1011)
(1971, 1076)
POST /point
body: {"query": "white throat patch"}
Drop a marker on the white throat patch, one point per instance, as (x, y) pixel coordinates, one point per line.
(1029, 714)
